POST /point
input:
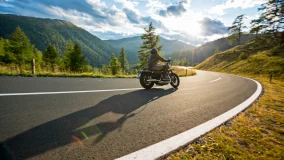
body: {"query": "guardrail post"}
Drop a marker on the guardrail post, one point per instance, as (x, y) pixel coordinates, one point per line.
(33, 67)
(185, 72)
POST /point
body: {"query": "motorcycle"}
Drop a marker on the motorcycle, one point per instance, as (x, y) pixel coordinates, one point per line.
(148, 77)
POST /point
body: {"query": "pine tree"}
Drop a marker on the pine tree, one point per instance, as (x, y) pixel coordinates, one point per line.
(217, 51)
(150, 40)
(6, 56)
(50, 56)
(105, 69)
(38, 58)
(176, 62)
(236, 29)
(114, 65)
(77, 60)
(21, 47)
(185, 62)
(66, 55)
(2, 44)
(123, 61)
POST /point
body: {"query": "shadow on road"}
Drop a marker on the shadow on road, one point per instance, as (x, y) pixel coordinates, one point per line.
(64, 130)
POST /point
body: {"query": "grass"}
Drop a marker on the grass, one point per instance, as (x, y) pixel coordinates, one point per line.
(181, 72)
(257, 133)
(6, 71)
(255, 62)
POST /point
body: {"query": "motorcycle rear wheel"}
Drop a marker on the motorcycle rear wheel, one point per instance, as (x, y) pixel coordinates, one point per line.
(143, 81)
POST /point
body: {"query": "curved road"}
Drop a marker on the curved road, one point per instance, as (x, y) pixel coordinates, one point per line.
(105, 123)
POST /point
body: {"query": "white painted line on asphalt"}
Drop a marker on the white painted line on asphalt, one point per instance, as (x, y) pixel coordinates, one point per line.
(67, 92)
(215, 74)
(216, 80)
(161, 148)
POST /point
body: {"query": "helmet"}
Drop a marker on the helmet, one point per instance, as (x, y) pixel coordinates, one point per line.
(154, 51)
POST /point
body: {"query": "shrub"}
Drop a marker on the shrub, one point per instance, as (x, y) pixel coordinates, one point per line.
(276, 51)
(243, 56)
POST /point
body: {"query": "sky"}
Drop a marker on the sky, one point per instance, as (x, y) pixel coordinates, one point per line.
(191, 21)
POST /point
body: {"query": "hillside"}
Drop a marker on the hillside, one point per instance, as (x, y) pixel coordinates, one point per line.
(199, 54)
(243, 59)
(43, 32)
(132, 45)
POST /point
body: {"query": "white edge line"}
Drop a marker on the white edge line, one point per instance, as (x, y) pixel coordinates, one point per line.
(67, 92)
(166, 146)
(216, 79)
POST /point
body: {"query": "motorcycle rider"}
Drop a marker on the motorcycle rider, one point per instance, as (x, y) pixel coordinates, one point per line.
(153, 59)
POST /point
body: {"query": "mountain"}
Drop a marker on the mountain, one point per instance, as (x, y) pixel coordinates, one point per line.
(43, 32)
(132, 46)
(199, 54)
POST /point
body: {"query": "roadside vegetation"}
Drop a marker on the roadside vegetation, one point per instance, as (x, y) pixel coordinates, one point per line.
(243, 59)
(18, 57)
(257, 132)
(182, 72)
(181, 62)
(6, 71)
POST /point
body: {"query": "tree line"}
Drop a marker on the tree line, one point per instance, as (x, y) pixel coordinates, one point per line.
(268, 29)
(19, 53)
(117, 65)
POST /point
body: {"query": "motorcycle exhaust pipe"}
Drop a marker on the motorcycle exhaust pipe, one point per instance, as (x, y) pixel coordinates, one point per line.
(165, 82)
(153, 80)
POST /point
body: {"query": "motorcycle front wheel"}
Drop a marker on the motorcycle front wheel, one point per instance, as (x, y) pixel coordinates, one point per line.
(174, 80)
(143, 81)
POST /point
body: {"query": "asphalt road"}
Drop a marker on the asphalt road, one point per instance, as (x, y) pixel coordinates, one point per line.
(107, 125)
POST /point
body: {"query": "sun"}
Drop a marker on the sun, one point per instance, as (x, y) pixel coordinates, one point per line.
(192, 28)
(185, 24)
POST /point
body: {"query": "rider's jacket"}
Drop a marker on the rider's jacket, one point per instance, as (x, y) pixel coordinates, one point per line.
(154, 58)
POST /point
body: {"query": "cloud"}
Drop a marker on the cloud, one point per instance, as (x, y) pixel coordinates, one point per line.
(174, 9)
(118, 19)
(155, 5)
(131, 15)
(214, 37)
(93, 15)
(112, 35)
(210, 27)
(219, 9)
(129, 4)
(69, 14)
(156, 23)
(96, 3)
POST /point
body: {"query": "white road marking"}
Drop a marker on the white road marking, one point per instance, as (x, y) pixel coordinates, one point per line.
(215, 74)
(216, 80)
(161, 148)
(67, 92)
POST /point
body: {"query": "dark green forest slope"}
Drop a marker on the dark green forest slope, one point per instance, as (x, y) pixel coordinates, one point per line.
(43, 32)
